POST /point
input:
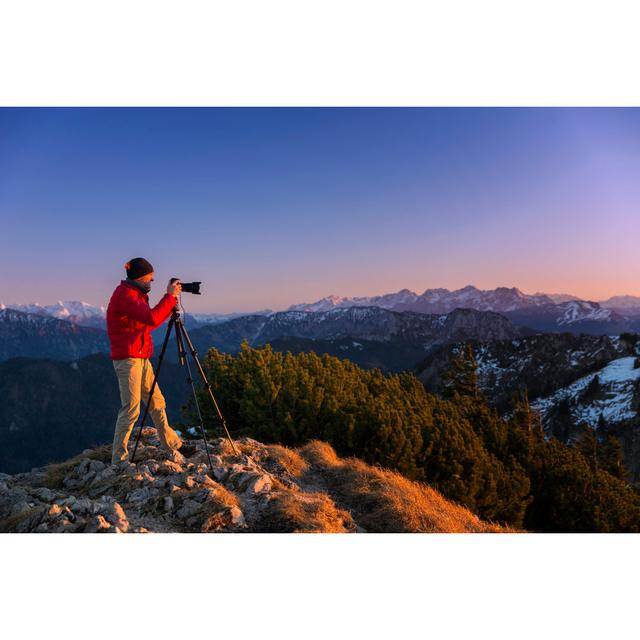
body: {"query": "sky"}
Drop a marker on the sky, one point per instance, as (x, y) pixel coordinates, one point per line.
(270, 207)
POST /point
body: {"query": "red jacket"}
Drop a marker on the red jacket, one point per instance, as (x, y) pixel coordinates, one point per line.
(130, 320)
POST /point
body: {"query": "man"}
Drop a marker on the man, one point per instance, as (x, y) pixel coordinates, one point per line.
(130, 321)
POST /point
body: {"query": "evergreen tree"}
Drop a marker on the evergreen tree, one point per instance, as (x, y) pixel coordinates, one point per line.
(523, 415)
(462, 376)
(587, 444)
(610, 457)
(593, 388)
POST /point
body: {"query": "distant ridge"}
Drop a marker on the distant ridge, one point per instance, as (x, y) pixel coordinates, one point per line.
(421, 331)
(539, 311)
(40, 336)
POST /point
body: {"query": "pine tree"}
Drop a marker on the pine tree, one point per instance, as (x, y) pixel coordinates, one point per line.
(587, 444)
(523, 415)
(593, 388)
(462, 376)
(610, 453)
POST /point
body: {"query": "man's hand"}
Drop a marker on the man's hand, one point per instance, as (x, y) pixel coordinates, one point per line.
(174, 288)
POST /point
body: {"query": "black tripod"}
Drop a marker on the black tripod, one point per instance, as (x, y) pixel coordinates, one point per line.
(182, 337)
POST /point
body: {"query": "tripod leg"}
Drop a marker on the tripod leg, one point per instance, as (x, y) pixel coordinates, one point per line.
(194, 354)
(153, 385)
(184, 360)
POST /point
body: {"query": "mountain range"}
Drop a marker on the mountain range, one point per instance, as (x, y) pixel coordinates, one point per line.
(500, 299)
(379, 337)
(408, 333)
(80, 313)
(88, 315)
(43, 336)
(543, 312)
(540, 311)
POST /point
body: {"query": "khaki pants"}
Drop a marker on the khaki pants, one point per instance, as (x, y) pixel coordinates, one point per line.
(135, 377)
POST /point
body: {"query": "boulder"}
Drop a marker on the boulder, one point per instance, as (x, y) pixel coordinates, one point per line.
(32, 520)
(206, 481)
(125, 468)
(228, 518)
(189, 508)
(260, 484)
(220, 473)
(97, 524)
(161, 482)
(69, 501)
(237, 517)
(44, 494)
(115, 514)
(139, 495)
(250, 482)
(65, 526)
(83, 505)
(54, 511)
(17, 508)
(168, 467)
(103, 481)
(95, 466)
(175, 456)
(152, 467)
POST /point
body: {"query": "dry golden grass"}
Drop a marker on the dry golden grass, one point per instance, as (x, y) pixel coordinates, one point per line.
(319, 453)
(56, 472)
(291, 462)
(290, 512)
(385, 501)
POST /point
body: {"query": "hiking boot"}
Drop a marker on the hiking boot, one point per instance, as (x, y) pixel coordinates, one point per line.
(188, 450)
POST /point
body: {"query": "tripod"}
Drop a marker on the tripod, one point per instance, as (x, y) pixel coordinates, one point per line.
(182, 337)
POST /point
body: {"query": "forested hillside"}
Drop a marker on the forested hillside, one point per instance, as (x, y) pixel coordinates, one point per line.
(502, 470)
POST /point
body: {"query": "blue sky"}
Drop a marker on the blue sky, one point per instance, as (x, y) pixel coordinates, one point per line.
(270, 207)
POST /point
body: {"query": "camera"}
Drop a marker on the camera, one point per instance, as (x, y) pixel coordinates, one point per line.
(189, 287)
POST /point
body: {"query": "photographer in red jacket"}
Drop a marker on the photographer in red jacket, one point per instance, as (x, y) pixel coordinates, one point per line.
(130, 321)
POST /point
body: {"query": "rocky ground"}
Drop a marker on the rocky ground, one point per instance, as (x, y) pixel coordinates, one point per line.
(266, 488)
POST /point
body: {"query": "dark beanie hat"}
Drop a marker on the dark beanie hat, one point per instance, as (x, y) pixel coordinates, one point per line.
(137, 268)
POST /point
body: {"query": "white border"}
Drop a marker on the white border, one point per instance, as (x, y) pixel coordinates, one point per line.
(334, 52)
(320, 586)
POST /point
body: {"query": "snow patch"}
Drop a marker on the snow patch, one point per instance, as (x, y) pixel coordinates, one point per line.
(618, 381)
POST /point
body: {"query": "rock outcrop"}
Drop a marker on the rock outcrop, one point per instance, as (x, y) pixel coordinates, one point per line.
(266, 488)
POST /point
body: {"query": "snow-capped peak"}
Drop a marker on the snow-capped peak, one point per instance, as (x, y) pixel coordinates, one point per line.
(581, 310)
(71, 310)
(74, 308)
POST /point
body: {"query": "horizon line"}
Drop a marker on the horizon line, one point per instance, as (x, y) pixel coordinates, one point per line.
(333, 295)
